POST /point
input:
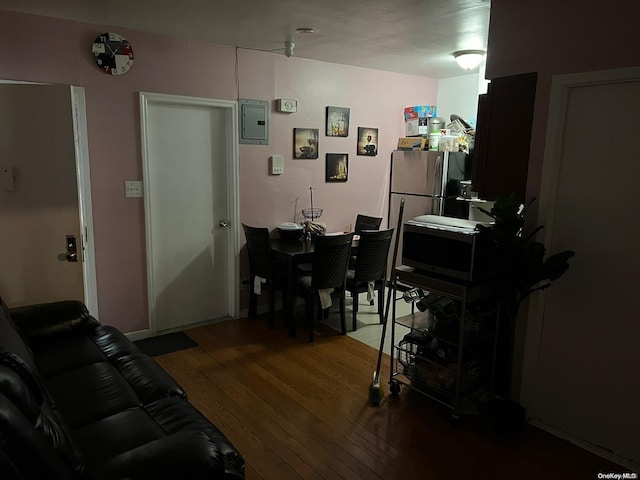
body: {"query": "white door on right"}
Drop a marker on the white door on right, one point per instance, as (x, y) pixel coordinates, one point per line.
(586, 384)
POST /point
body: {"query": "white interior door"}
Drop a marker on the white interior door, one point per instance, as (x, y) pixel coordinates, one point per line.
(40, 208)
(190, 214)
(583, 340)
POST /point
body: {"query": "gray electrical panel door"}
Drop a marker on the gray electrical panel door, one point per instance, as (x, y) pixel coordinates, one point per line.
(254, 121)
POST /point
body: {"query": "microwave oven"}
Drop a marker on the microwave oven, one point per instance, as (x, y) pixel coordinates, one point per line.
(446, 246)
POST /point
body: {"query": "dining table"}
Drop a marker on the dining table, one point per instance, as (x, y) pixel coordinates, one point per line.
(290, 253)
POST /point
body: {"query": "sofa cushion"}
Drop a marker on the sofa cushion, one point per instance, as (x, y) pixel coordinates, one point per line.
(23, 388)
(16, 389)
(148, 379)
(90, 393)
(188, 455)
(64, 353)
(26, 450)
(176, 415)
(11, 340)
(110, 436)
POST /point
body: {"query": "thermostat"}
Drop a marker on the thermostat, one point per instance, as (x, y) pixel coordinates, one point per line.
(288, 106)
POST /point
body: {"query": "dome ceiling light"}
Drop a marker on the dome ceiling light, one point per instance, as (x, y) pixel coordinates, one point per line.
(469, 59)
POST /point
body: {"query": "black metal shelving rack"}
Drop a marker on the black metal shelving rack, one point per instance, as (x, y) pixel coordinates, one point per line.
(453, 361)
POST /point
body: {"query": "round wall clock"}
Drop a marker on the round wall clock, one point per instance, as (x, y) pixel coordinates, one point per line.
(112, 53)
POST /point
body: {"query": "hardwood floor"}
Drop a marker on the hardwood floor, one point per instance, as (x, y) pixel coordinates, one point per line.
(298, 410)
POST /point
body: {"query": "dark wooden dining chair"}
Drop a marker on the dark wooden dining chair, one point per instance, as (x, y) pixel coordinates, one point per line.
(370, 266)
(364, 222)
(328, 271)
(261, 265)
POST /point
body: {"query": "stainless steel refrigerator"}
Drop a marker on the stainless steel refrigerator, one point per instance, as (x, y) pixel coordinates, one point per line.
(429, 181)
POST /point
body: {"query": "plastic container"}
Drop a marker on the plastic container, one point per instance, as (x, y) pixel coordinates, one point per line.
(434, 140)
(435, 124)
(449, 143)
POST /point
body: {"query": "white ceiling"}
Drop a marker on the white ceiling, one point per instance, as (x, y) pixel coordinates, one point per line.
(415, 37)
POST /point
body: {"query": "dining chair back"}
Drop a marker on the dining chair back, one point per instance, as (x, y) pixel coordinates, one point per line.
(328, 271)
(261, 265)
(365, 222)
(370, 267)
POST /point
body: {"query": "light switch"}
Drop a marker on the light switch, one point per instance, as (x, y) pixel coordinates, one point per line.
(7, 178)
(277, 164)
(133, 188)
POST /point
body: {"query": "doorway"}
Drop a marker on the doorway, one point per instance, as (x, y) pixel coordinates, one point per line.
(45, 196)
(191, 209)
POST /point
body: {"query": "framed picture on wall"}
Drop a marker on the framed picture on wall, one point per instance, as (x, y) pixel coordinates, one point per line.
(305, 143)
(337, 167)
(338, 121)
(367, 141)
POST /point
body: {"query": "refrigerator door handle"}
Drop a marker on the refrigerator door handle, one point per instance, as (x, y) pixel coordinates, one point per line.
(437, 187)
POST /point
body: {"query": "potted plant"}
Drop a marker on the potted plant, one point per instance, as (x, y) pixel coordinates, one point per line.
(518, 267)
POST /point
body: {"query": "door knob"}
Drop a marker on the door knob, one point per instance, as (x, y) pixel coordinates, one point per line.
(223, 223)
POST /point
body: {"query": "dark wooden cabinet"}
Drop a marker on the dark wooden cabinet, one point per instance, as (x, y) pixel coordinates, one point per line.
(503, 136)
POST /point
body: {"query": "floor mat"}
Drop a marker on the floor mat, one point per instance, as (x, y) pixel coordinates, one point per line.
(163, 344)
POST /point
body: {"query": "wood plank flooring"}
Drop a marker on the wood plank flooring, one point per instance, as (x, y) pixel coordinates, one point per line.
(299, 410)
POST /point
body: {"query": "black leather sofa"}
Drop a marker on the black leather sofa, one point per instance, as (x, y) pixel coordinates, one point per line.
(78, 400)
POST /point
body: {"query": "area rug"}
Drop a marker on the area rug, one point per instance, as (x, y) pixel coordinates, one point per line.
(163, 344)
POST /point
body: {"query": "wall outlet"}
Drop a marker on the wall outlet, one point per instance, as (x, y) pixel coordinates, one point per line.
(133, 188)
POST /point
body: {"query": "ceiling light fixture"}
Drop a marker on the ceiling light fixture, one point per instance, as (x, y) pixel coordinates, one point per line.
(469, 59)
(304, 30)
(288, 48)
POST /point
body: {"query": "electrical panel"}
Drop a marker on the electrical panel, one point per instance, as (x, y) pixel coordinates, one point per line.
(254, 121)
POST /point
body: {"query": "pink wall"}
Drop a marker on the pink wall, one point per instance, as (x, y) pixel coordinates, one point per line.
(55, 51)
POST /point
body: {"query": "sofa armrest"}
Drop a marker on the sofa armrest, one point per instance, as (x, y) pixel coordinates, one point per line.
(46, 319)
(187, 454)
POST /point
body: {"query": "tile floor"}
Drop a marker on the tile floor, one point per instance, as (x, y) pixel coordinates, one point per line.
(369, 328)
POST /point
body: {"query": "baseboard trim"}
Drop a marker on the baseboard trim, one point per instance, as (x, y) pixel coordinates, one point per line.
(138, 335)
(601, 452)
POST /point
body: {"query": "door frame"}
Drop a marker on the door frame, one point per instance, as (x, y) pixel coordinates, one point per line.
(230, 109)
(83, 181)
(83, 176)
(556, 123)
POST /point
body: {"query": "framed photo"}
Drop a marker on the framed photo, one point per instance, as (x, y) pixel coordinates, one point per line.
(305, 143)
(337, 122)
(367, 141)
(337, 168)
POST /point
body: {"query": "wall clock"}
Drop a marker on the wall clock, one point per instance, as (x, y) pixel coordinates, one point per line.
(112, 53)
